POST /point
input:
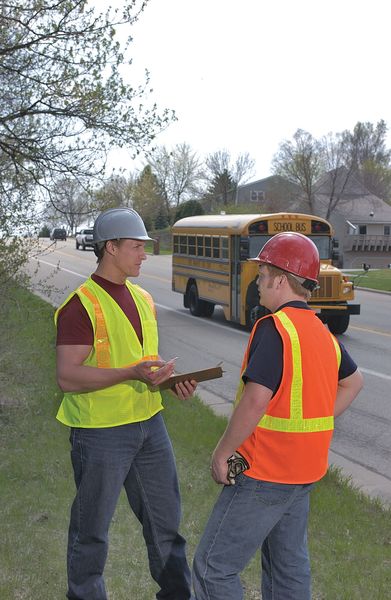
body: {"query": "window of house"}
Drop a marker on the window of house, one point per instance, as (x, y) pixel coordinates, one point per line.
(386, 229)
(362, 229)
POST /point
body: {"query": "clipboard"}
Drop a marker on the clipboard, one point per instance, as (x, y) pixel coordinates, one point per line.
(202, 375)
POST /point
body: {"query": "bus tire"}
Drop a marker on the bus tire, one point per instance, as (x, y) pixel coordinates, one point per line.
(207, 308)
(338, 324)
(199, 308)
(194, 301)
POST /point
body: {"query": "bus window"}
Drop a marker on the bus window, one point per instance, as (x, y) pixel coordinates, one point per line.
(216, 247)
(208, 242)
(322, 242)
(176, 244)
(183, 244)
(200, 245)
(192, 246)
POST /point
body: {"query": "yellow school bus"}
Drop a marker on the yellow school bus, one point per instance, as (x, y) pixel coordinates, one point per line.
(210, 266)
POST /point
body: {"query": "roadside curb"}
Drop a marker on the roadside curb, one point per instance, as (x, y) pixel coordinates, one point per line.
(368, 482)
(364, 289)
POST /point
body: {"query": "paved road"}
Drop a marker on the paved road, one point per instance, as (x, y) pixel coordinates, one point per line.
(362, 439)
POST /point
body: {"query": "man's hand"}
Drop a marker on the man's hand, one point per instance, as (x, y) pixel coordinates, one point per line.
(152, 372)
(185, 389)
(219, 468)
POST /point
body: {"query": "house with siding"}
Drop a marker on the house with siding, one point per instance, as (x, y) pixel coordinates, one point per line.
(361, 220)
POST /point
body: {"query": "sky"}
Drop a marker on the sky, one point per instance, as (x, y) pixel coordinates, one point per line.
(244, 75)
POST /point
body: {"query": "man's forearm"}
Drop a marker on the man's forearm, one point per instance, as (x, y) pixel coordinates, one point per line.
(348, 389)
(73, 376)
(80, 378)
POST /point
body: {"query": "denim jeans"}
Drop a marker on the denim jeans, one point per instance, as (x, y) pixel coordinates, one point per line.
(139, 457)
(249, 515)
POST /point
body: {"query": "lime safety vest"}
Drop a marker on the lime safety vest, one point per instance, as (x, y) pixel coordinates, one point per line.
(291, 441)
(116, 345)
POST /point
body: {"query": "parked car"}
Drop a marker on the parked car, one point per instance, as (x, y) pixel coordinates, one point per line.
(58, 233)
(84, 238)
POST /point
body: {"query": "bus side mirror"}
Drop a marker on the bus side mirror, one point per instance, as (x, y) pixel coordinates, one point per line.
(335, 243)
(336, 259)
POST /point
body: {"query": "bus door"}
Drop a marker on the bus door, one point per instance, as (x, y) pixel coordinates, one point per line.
(235, 278)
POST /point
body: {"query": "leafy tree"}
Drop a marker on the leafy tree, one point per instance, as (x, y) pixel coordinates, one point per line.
(44, 232)
(222, 187)
(69, 204)
(377, 179)
(300, 161)
(189, 209)
(225, 175)
(147, 198)
(162, 221)
(179, 173)
(328, 166)
(63, 102)
(338, 170)
(365, 149)
(115, 191)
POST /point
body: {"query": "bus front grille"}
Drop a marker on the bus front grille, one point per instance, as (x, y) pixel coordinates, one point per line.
(327, 287)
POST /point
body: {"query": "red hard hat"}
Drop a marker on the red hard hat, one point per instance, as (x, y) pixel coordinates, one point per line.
(292, 252)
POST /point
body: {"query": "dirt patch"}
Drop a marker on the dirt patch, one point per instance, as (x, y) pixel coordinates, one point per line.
(8, 402)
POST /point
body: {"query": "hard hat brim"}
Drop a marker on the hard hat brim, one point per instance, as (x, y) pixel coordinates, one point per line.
(144, 238)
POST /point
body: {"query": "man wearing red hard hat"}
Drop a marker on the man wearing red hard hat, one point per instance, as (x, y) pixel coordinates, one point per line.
(296, 377)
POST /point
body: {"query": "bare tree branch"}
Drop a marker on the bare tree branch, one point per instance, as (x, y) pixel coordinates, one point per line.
(64, 103)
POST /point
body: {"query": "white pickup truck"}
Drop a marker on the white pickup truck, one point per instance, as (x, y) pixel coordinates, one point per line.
(84, 238)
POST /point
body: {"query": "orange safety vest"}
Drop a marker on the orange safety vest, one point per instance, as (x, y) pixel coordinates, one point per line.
(291, 441)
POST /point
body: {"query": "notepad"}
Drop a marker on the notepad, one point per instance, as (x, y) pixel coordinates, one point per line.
(202, 375)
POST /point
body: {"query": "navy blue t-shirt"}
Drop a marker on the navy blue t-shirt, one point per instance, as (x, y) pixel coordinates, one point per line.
(266, 355)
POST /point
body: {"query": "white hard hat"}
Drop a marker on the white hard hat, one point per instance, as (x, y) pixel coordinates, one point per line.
(119, 223)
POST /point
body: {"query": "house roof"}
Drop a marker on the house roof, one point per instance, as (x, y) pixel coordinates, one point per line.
(362, 209)
(343, 182)
(357, 203)
(270, 182)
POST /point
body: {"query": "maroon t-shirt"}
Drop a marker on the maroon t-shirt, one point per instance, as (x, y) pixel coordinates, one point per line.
(74, 326)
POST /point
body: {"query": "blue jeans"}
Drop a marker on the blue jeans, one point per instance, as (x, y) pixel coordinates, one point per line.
(249, 515)
(139, 457)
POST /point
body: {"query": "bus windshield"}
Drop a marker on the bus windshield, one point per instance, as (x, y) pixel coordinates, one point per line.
(256, 243)
(322, 242)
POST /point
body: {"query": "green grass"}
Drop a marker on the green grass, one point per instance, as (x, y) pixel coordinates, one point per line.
(350, 537)
(376, 279)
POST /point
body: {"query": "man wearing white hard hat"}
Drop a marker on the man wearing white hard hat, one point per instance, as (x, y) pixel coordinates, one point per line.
(108, 366)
